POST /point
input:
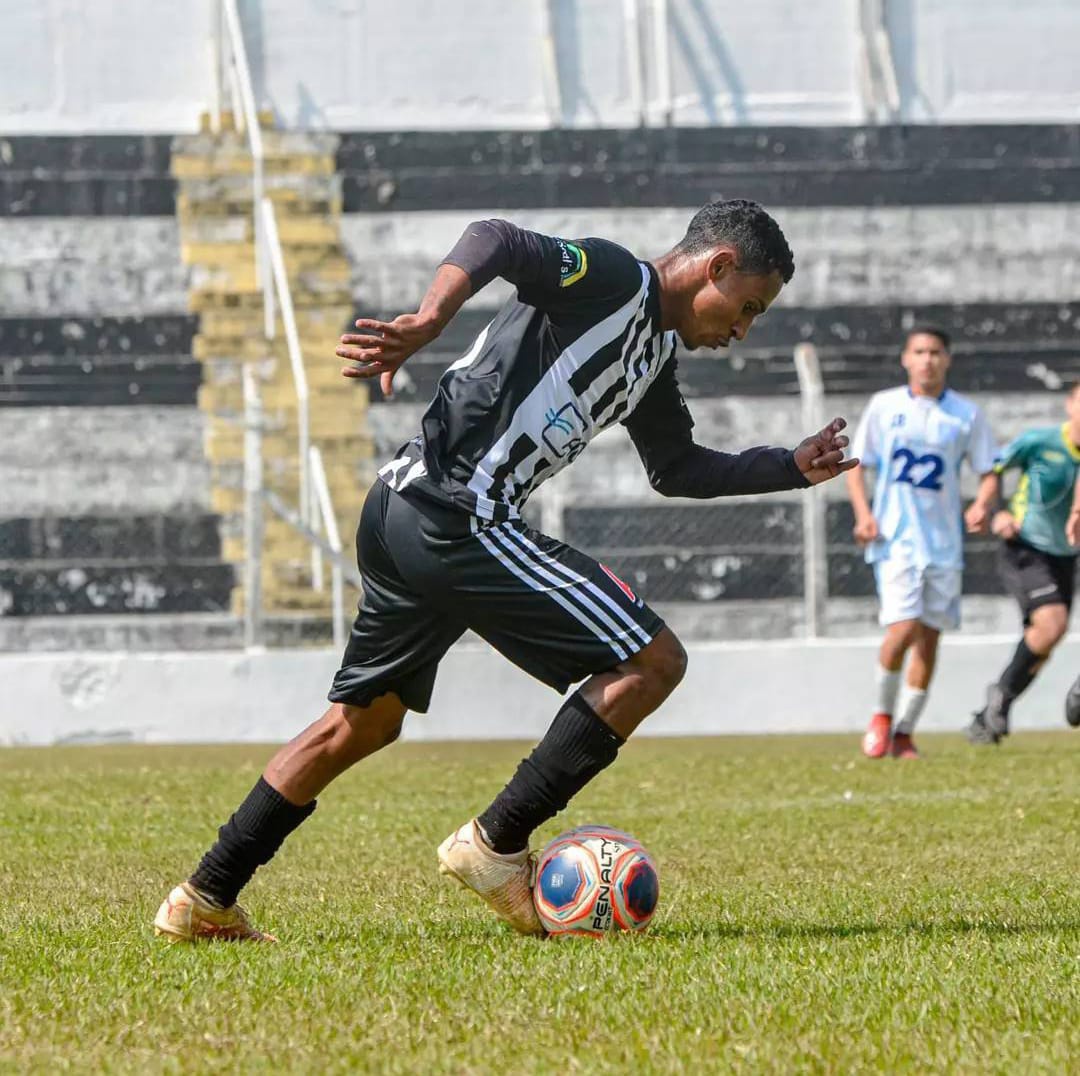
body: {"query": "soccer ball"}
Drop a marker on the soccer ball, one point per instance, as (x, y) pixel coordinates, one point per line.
(595, 879)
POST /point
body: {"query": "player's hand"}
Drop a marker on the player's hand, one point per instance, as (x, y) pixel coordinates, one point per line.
(1072, 527)
(866, 530)
(1004, 525)
(383, 346)
(977, 518)
(821, 456)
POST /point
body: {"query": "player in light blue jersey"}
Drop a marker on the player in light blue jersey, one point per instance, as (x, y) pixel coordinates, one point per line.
(916, 437)
(1037, 558)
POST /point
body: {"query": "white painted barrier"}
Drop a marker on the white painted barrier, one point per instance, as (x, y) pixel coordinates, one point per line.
(773, 687)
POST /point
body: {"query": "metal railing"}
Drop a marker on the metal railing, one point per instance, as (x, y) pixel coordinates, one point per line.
(314, 518)
(231, 57)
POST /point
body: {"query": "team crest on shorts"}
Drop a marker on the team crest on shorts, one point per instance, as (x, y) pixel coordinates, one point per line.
(620, 584)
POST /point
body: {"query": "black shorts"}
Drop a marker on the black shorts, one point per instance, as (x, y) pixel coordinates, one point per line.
(431, 572)
(1035, 578)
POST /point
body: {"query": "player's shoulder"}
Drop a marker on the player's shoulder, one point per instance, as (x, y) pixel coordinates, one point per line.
(889, 400)
(596, 261)
(963, 407)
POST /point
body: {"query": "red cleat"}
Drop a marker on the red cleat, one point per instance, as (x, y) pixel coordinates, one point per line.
(875, 744)
(903, 746)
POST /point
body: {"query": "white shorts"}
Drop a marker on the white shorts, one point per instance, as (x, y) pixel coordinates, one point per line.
(909, 592)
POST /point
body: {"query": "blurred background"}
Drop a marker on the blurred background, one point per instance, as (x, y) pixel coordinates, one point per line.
(196, 199)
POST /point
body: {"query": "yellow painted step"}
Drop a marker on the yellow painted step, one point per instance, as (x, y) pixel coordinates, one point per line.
(310, 321)
(235, 161)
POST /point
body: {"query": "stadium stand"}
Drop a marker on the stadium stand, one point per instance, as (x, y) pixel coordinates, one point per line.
(102, 374)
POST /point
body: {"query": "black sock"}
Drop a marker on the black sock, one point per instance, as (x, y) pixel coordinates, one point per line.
(575, 749)
(1020, 671)
(249, 839)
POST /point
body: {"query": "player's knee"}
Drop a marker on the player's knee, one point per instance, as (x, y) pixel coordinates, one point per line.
(1053, 623)
(667, 661)
(357, 727)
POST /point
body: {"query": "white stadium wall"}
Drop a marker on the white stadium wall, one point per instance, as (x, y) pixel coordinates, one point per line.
(146, 65)
(779, 687)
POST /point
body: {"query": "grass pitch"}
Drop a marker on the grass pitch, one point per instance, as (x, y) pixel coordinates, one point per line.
(819, 913)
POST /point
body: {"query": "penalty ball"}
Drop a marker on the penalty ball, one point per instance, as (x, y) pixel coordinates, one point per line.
(595, 879)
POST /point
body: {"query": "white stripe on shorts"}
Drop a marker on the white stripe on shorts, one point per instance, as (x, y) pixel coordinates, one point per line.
(508, 556)
(568, 573)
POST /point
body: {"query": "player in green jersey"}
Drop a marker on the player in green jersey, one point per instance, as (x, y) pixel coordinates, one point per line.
(1037, 559)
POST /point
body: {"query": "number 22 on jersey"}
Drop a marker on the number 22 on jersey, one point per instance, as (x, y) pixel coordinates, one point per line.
(922, 472)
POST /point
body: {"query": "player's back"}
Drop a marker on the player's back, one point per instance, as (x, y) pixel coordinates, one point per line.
(917, 445)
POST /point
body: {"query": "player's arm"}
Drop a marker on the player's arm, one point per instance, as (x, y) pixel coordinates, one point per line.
(865, 529)
(987, 501)
(1072, 524)
(381, 348)
(677, 466)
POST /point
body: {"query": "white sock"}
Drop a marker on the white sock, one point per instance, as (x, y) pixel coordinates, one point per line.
(912, 703)
(888, 684)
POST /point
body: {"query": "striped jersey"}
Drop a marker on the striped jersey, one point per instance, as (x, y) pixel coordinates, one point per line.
(577, 350)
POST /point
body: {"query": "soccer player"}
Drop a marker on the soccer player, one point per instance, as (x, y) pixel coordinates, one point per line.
(1072, 532)
(588, 341)
(915, 437)
(1037, 558)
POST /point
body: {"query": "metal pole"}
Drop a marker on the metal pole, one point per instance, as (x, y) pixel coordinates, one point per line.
(815, 565)
(634, 58)
(550, 67)
(296, 358)
(662, 44)
(253, 513)
(333, 537)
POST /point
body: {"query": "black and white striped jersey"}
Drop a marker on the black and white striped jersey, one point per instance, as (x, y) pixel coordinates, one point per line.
(576, 351)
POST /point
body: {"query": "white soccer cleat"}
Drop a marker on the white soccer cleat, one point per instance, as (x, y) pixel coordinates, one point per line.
(504, 882)
(186, 915)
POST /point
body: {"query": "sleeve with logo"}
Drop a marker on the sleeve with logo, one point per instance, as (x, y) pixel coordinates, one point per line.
(554, 275)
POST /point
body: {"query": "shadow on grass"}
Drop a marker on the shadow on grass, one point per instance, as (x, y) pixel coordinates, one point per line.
(936, 929)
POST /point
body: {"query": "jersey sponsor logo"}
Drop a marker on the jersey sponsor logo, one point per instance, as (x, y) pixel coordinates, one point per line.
(563, 432)
(620, 584)
(573, 264)
(898, 420)
(922, 472)
(1050, 456)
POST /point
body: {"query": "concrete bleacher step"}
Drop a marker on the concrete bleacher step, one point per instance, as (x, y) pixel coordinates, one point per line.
(158, 632)
(99, 380)
(112, 564)
(214, 206)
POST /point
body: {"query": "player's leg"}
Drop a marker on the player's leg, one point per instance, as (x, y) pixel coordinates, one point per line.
(1072, 704)
(912, 702)
(388, 667)
(940, 611)
(1043, 587)
(899, 591)
(563, 618)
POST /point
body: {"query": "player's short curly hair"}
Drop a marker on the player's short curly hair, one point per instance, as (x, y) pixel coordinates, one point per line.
(748, 228)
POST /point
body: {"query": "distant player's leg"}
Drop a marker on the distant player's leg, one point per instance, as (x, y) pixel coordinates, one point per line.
(560, 616)
(1072, 704)
(900, 602)
(388, 667)
(941, 590)
(1043, 587)
(912, 702)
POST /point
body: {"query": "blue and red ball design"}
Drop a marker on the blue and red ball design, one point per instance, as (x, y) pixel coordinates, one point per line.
(595, 879)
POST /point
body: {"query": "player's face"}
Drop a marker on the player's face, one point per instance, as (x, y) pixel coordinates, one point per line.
(926, 362)
(725, 306)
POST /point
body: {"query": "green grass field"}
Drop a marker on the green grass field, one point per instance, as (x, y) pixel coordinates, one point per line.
(818, 913)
